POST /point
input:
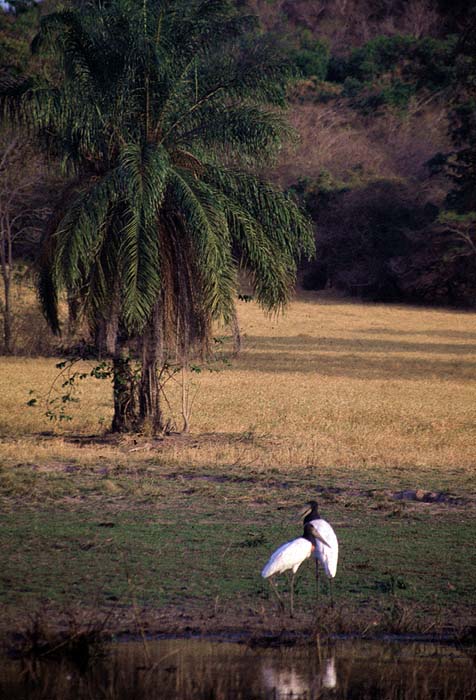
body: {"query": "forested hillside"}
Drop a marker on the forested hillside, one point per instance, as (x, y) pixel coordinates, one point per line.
(385, 111)
(382, 100)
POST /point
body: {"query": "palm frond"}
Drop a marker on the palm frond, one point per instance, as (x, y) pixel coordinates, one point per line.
(47, 289)
(206, 224)
(146, 171)
(252, 134)
(277, 212)
(154, 98)
(81, 231)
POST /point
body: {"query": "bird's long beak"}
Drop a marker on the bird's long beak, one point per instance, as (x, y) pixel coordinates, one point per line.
(303, 512)
(320, 538)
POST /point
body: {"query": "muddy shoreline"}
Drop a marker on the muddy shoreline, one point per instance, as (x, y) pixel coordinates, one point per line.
(49, 628)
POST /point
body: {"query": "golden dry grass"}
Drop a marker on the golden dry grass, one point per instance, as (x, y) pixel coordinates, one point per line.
(335, 384)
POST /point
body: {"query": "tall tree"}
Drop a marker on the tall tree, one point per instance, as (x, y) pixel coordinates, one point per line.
(25, 196)
(462, 163)
(160, 110)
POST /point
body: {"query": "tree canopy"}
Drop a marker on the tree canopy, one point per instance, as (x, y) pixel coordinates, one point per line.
(160, 111)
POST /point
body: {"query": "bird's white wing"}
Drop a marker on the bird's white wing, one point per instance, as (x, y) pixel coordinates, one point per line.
(289, 556)
(327, 555)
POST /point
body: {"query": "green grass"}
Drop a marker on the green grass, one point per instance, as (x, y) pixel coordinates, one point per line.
(196, 542)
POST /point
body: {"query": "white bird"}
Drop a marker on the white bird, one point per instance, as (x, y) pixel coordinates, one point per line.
(290, 556)
(327, 553)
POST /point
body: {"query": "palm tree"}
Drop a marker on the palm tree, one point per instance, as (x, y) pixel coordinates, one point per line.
(160, 110)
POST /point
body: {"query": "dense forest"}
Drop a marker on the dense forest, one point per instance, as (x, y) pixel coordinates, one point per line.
(382, 99)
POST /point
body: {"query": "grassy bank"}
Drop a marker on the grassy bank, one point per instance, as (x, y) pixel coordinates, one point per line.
(353, 403)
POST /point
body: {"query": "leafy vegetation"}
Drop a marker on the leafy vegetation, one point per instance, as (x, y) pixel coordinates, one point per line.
(18, 24)
(382, 238)
(157, 219)
(375, 95)
(311, 57)
(392, 70)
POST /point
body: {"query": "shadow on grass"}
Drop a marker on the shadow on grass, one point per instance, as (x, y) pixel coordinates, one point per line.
(306, 342)
(356, 364)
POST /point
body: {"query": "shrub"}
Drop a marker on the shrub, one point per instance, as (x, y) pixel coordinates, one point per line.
(390, 70)
(311, 58)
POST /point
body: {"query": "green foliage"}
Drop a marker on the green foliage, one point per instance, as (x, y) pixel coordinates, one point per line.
(461, 164)
(389, 70)
(317, 192)
(63, 393)
(311, 58)
(378, 56)
(16, 31)
(153, 103)
(429, 61)
(452, 217)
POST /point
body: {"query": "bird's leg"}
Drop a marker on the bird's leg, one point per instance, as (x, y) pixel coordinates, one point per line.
(275, 589)
(331, 592)
(317, 577)
(292, 594)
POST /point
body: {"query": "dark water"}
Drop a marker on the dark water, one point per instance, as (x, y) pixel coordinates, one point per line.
(204, 670)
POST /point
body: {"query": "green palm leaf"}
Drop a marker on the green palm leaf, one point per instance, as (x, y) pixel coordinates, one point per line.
(155, 100)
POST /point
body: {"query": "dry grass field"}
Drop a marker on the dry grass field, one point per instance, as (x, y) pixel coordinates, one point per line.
(331, 384)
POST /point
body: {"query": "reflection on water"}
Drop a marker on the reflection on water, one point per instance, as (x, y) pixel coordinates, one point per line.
(329, 674)
(203, 670)
(283, 680)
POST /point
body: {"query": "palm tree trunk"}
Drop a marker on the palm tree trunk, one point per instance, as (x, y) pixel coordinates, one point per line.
(124, 386)
(235, 329)
(150, 411)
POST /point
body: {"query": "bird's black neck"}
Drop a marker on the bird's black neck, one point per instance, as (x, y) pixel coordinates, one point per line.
(313, 514)
(307, 534)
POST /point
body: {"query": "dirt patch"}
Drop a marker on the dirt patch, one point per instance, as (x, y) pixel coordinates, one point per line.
(422, 496)
(212, 478)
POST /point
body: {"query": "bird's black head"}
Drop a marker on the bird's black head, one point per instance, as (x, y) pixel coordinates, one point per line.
(311, 512)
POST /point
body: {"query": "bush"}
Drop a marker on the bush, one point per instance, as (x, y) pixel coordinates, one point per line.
(315, 193)
(311, 58)
(390, 70)
(461, 164)
(378, 241)
(360, 231)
